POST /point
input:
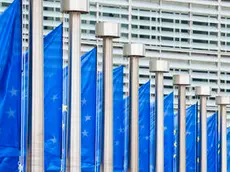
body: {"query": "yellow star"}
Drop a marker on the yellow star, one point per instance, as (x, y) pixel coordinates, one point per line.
(175, 144)
(174, 132)
(198, 139)
(198, 160)
(174, 156)
(218, 151)
(64, 108)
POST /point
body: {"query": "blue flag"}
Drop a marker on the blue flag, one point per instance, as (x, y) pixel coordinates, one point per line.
(88, 108)
(10, 87)
(228, 148)
(168, 134)
(191, 139)
(212, 143)
(53, 62)
(88, 118)
(144, 127)
(118, 118)
(53, 99)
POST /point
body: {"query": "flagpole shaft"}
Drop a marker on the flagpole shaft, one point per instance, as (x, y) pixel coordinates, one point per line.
(37, 144)
(159, 67)
(134, 113)
(74, 157)
(159, 101)
(223, 111)
(203, 117)
(108, 104)
(182, 128)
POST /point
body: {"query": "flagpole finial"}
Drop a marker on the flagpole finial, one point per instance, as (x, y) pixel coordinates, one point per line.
(81, 6)
(134, 50)
(159, 66)
(222, 100)
(107, 29)
(203, 91)
(182, 79)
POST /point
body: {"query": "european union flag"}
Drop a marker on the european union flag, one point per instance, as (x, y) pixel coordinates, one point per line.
(53, 64)
(144, 128)
(212, 143)
(118, 119)
(168, 134)
(88, 110)
(10, 87)
(191, 139)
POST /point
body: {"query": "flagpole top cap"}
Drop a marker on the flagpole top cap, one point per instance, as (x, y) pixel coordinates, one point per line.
(203, 91)
(161, 66)
(81, 6)
(223, 100)
(134, 50)
(106, 29)
(182, 79)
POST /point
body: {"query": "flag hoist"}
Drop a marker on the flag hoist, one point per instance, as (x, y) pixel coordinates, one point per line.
(182, 81)
(223, 101)
(74, 8)
(108, 31)
(134, 52)
(203, 92)
(159, 67)
(35, 158)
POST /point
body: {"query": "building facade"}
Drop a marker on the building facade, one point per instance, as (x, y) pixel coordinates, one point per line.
(194, 35)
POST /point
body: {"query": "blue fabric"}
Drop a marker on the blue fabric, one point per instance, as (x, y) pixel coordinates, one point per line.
(10, 87)
(228, 148)
(52, 98)
(88, 119)
(53, 80)
(212, 143)
(118, 118)
(191, 139)
(10, 78)
(144, 127)
(88, 108)
(168, 131)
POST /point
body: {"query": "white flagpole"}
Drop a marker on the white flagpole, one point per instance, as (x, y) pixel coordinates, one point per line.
(159, 67)
(75, 8)
(108, 31)
(223, 101)
(36, 146)
(134, 52)
(203, 92)
(182, 81)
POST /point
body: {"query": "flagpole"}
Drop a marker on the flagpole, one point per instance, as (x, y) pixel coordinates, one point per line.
(36, 144)
(134, 52)
(203, 92)
(159, 67)
(223, 101)
(182, 81)
(108, 31)
(74, 8)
